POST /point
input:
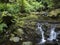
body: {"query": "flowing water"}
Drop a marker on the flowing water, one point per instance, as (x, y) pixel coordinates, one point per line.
(52, 35)
(42, 33)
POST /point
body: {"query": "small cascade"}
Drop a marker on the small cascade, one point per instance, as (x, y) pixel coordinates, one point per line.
(42, 33)
(53, 34)
(52, 39)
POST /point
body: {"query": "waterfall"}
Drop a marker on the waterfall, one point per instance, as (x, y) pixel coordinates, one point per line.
(53, 34)
(42, 33)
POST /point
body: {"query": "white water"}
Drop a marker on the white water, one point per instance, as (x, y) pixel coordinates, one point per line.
(42, 33)
(53, 34)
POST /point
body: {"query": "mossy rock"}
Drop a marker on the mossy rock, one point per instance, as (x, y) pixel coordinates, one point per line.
(27, 43)
(54, 12)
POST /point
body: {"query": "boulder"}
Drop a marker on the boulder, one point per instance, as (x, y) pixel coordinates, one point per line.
(27, 43)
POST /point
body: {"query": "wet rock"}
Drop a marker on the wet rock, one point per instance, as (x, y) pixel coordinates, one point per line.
(15, 39)
(19, 32)
(27, 43)
(51, 43)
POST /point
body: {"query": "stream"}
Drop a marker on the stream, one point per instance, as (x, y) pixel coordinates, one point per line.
(52, 39)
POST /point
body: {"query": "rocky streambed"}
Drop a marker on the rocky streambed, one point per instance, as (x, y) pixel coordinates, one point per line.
(27, 32)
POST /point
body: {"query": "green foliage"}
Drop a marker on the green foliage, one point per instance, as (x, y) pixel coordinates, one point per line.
(1, 27)
(30, 6)
(37, 5)
(13, 8)
(40, 4)
(25, 5)
(4, 13)
(2, 6)
(25, 20)
(50, 3)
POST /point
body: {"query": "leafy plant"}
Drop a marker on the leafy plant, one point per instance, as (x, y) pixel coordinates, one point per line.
(2, 6)
(2, 26)
(13, 8)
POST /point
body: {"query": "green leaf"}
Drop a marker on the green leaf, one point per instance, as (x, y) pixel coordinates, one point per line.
(1, 26)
